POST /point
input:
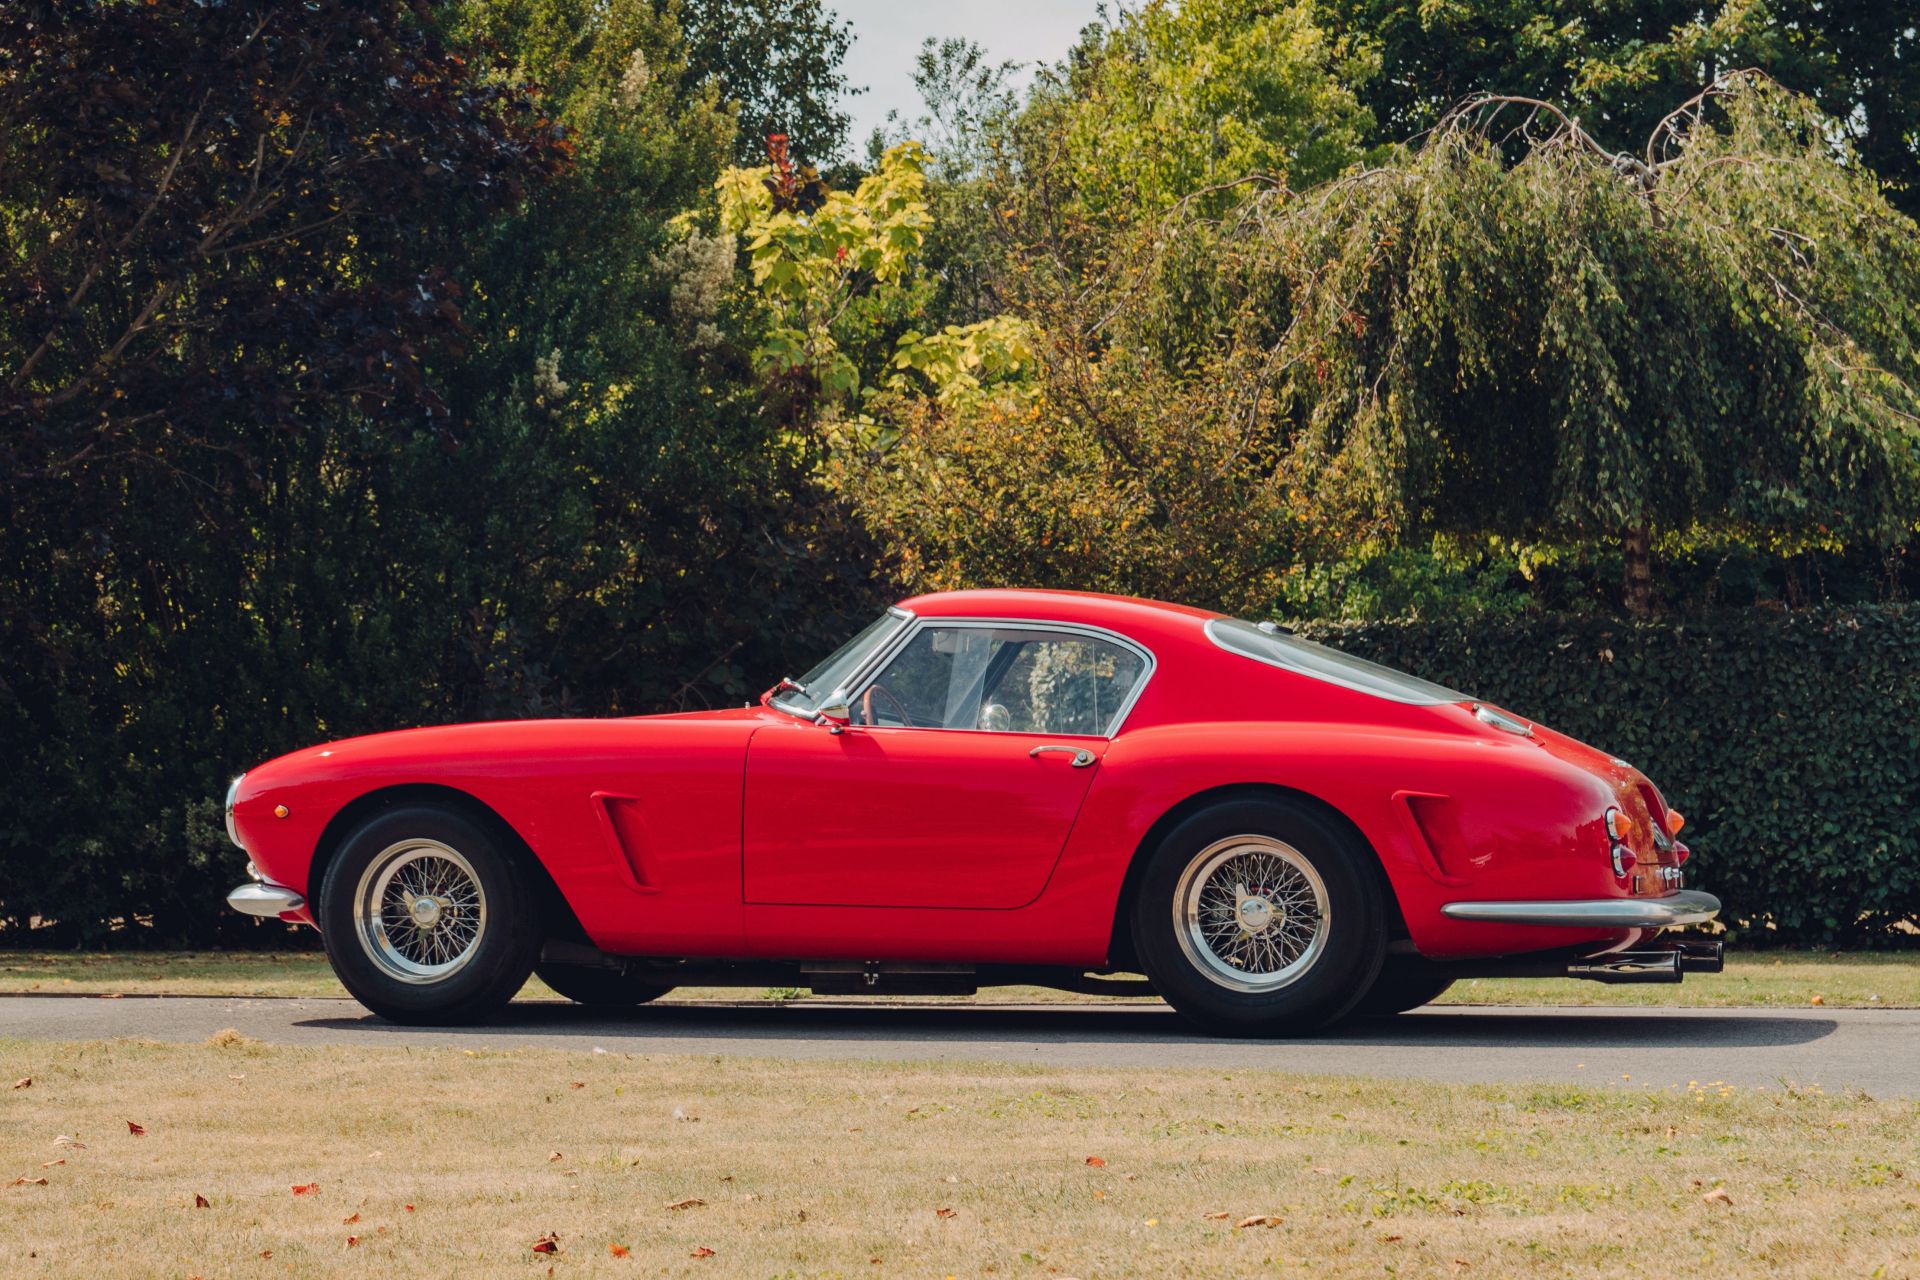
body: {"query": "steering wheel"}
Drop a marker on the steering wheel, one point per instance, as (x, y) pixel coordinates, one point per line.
(866, 705)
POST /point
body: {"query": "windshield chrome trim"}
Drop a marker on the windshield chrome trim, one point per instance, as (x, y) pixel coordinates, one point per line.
(884, 646)
(1324, 678)
(871, 671)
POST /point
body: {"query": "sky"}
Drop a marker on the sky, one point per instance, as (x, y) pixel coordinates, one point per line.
(888, 35)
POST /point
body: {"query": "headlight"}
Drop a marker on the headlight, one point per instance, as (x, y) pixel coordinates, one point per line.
(233, 793)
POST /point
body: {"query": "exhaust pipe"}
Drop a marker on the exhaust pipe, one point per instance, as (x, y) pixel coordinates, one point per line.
(1630, 966)
(1701, 957)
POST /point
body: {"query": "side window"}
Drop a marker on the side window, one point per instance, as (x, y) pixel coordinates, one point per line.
(1009, 680)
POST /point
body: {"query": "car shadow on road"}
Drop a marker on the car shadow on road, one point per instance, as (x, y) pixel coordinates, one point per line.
(972, 1024)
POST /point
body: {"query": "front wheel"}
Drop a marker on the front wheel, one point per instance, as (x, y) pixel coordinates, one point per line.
(427, 918)
(1261, 918)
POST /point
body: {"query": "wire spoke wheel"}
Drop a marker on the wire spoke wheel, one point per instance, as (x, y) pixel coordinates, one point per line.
(1251, 913)
(420, 911)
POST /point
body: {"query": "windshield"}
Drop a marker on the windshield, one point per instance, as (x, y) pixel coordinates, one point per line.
(838, 668)
(1277, 648)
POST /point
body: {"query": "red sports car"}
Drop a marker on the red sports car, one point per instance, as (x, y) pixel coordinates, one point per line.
(987, 787)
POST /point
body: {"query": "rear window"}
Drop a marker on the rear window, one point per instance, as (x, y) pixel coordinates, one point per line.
(1268, 644)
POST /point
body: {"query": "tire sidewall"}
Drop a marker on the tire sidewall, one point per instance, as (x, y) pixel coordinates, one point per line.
(508, 944)
(1351, 955)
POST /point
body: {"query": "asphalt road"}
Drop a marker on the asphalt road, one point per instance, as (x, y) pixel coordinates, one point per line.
(1874, 1050)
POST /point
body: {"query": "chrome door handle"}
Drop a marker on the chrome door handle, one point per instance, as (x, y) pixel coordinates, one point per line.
(1081, 756)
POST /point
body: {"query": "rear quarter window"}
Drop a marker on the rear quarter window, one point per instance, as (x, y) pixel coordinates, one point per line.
(1289, 652)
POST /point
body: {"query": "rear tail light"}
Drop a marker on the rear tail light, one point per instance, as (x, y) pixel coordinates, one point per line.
(1680, 854)
(1623, 861)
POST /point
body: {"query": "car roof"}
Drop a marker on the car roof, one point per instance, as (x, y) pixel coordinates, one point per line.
(1126, 614)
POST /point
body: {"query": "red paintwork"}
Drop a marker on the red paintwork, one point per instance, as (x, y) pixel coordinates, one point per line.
(748, 833)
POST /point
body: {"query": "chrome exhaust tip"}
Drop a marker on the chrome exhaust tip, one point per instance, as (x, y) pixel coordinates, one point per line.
(1629, 966)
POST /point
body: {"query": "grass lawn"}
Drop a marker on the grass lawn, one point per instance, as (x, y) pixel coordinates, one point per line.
(1761, 979)
(436, 1162)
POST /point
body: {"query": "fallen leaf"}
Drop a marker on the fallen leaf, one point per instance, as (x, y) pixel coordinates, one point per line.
(1718, 1196)
(304, 1188)
(71, 1143)
(548, 1243)
(1096, 1162)
(701, 1252)
(552, 1156)
(945, 1213)
(24, 1181)
(691, 1202)
(201, 1202)
(138, 1131)
(407, 1207)
(1460, 1264)
(1259, 1220)
(352, 1241)
(1220, 1216)
(49, 1164)
(577, 1084)
(266, 1253)
(1818, 1000)
(1388, 1239)
(350, 1219)
(618, 1250)
(24, 1082)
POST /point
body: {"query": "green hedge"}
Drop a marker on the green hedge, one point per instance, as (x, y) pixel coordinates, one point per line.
(1791, 741)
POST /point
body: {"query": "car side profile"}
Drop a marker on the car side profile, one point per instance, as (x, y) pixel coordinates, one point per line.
(987, 787)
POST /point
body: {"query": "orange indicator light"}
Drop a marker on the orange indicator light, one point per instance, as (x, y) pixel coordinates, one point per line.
(1674, 822)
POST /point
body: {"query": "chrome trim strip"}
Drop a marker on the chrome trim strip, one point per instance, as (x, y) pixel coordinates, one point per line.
(870, 670)
(264, 900)
(1689, 906)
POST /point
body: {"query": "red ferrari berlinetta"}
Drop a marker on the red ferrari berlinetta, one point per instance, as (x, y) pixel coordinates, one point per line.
(987, 787)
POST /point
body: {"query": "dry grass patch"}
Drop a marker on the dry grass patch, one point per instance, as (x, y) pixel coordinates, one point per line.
(449, 1162)
(1764, 979)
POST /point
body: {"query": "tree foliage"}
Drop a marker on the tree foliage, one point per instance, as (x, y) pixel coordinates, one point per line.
(1172, 99)
(779, 62)
(1721, 331)
(217, 280)
(1617, 66)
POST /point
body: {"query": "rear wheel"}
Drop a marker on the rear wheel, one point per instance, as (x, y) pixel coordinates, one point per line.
(606, 988)
(1404, 983)
(1260, 918)
(427, 918)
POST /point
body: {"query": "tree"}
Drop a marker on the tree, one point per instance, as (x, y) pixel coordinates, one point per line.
(779, 60)
(1173, 99)
(221, 297)
(1615, 66)
(1719, 331)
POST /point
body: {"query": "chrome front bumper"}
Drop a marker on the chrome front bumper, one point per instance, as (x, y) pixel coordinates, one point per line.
(1689, 906)
(266, 900)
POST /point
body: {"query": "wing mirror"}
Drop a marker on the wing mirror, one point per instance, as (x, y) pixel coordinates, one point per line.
(834, 714)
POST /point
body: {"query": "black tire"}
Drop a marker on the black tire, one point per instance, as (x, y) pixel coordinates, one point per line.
(602, 988)
(1405, 982)
(506, 933)
(1346, 953)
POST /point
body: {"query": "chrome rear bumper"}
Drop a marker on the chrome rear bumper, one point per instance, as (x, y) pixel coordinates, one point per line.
(1689, 906)
(266, 900)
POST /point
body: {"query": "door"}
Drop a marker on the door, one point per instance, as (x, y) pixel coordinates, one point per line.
(958, 780)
